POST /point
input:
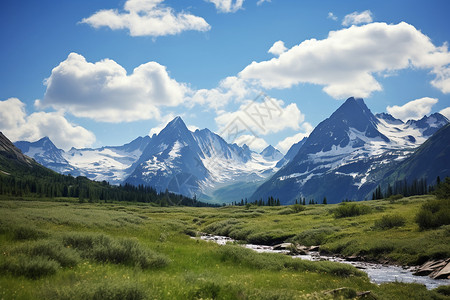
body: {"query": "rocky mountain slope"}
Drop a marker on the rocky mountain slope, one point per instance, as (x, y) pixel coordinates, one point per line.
(348, 154)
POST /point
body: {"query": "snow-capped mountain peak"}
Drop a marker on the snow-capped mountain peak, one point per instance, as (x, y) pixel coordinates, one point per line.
(43, 151)
(177, 156)
(112, 164)
(271, 153)
(345, 152)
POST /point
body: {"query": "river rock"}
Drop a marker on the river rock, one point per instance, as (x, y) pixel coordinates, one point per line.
(302, 250)
(352, 258)
(314, 248)
(284, 246)
(436, 269)
(443, 273)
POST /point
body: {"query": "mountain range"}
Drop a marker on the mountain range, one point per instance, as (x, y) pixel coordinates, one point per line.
(190, 163)
(345, 157)
(348, 154)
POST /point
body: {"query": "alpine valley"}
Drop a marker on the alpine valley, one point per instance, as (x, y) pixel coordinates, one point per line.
(350, 153)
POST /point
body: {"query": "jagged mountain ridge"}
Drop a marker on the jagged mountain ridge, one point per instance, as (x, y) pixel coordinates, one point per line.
(347, 154)
(190, 163)
(197, 163)
(47, 154)
(112, 163)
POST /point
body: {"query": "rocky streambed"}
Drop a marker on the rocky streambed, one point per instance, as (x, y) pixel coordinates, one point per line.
(432, 274)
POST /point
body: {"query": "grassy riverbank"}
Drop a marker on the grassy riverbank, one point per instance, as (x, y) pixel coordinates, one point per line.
(378, 230)
(63, 250)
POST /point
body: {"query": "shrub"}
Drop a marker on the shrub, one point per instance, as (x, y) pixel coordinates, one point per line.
(298, 208)
(102, 248)
(53, 251)
(443, 290)
(27, 233)
(30, 267)
(79, 241)
(394, 198)
(345, 210)
(433, 214)
(390, 221)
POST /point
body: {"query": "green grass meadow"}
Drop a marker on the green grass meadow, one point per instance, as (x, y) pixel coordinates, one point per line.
(70, 250)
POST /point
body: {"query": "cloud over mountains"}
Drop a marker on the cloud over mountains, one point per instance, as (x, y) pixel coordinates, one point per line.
(348, 61)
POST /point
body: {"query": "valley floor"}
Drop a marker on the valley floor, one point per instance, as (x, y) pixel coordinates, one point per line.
(68, 250)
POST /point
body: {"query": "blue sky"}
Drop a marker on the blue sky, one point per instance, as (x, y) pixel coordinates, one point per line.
(96, 73)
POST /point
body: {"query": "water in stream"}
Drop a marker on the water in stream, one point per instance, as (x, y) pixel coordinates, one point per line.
(378, 273)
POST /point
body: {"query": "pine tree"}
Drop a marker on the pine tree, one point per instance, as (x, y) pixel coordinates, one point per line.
(324, 200)
(389, 191)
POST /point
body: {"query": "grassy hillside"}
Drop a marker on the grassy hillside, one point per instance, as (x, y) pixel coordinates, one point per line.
(63, 250)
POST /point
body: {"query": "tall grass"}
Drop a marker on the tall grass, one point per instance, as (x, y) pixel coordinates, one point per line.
(315, 236)
(103, 248)
(223, 227)
(30, 267)
(99, 290)
(270, 261)
(98, 235)
(52, 250)
(27, 233)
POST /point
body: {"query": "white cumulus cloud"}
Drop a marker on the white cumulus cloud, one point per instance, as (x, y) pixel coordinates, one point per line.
(260, 118)
(17, 126)
(103, 91)
(147, 18)
(356, 18)
(346, 62)
(278, 48)
(228, 89)
(413, 110)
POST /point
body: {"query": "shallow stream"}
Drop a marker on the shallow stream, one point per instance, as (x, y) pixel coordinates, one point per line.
(378, 273)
